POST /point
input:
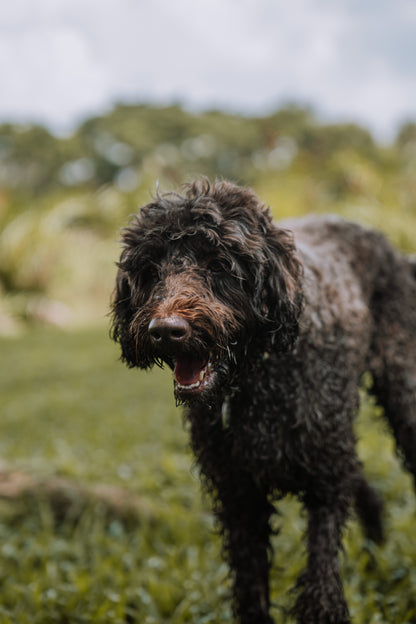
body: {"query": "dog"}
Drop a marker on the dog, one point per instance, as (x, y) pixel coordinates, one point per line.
(269, 329)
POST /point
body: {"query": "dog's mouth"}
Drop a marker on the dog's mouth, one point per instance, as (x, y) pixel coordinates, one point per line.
(192, 375)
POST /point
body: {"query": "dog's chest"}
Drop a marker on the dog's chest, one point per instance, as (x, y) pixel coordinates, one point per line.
(279, 422)
(264, 442)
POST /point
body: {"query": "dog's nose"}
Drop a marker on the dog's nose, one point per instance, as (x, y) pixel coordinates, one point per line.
(168, 331)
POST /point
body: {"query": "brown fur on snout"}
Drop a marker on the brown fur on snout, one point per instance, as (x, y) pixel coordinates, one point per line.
(184, 295)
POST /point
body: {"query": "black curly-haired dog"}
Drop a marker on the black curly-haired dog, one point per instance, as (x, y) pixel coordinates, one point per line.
(268, 330)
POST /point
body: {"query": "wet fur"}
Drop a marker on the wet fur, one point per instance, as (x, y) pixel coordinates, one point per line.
(293, 314)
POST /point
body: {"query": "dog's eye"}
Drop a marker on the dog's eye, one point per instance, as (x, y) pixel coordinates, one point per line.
(148, 276)
(215, 266)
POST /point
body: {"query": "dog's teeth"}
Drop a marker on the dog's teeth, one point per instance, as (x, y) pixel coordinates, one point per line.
(190, 387)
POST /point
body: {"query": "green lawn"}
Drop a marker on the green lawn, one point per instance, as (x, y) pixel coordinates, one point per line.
(69, 408)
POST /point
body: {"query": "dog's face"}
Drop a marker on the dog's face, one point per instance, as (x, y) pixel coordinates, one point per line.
(202, 276)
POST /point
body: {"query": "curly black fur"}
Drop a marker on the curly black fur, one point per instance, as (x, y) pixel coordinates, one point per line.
(269, 329)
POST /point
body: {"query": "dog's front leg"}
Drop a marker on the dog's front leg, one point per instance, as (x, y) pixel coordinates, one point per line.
(322, 599)
(244, 514)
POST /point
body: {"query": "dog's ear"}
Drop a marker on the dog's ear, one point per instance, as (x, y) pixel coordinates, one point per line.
(272, 262)
(122, 313)
(278, 296)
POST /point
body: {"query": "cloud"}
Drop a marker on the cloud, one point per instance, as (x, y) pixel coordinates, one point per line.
(60, 61)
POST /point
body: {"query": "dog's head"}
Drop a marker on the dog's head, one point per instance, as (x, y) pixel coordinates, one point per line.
(203, 277)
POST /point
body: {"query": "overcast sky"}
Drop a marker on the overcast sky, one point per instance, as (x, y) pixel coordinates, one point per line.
(64, 60)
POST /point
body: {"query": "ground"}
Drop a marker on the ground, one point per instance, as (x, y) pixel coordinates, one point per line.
(70, 409)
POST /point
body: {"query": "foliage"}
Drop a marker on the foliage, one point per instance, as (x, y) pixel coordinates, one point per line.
(172, 143)
(63, 200)
(70, 408)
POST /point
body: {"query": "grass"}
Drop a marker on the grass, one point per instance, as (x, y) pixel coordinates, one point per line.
(69, 408)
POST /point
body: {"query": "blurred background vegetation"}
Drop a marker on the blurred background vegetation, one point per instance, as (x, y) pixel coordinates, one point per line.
(70, 410)
(63, 200)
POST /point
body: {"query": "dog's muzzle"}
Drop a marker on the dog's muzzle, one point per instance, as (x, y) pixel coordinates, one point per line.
(170, 337)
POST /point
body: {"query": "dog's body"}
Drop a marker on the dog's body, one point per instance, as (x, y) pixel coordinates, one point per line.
(269, 336)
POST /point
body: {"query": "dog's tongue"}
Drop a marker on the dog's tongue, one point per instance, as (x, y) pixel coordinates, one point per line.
(188, 369)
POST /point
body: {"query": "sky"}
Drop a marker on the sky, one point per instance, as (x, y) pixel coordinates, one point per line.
(62, 61)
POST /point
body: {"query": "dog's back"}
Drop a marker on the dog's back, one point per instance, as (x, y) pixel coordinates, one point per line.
(341, 256)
